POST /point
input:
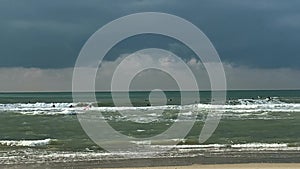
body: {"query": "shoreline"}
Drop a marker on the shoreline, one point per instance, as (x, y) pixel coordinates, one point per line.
(87, 165)
(259, 161)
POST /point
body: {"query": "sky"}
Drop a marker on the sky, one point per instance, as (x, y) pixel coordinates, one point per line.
(257, 40)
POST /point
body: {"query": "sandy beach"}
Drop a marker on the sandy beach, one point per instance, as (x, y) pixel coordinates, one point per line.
(228, 166)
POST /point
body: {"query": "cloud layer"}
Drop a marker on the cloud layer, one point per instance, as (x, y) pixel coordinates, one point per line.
(238, 77)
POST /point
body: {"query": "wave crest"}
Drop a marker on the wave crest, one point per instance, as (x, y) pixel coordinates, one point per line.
(26, 143)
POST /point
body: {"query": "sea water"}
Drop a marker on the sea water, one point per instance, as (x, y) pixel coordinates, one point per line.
(43, 127)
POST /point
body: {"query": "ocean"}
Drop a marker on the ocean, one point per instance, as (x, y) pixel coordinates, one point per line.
(44, 127)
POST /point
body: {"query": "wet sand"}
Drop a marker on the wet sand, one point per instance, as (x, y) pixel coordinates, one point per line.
(229, 166)
(252, 161)
(196, 166)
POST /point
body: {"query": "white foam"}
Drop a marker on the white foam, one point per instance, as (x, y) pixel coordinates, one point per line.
(240, 108)
(42, 156)
(146, 142)
(260, 145)
(26, 143)
(140, 130)
(222, 147)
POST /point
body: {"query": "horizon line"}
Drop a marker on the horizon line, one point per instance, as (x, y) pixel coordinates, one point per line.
(107, 91)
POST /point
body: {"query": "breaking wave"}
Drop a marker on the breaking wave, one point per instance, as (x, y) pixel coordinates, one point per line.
(268, 108)
(26, 143)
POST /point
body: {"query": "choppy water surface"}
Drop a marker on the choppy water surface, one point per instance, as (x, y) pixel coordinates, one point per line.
(41, 127)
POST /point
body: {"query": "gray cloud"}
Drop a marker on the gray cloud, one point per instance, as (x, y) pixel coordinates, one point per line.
(50, 34)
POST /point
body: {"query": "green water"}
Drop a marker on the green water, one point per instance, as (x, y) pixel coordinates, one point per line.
(68, 135)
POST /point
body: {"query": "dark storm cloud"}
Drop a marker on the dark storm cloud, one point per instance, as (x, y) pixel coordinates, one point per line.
(50, 34)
